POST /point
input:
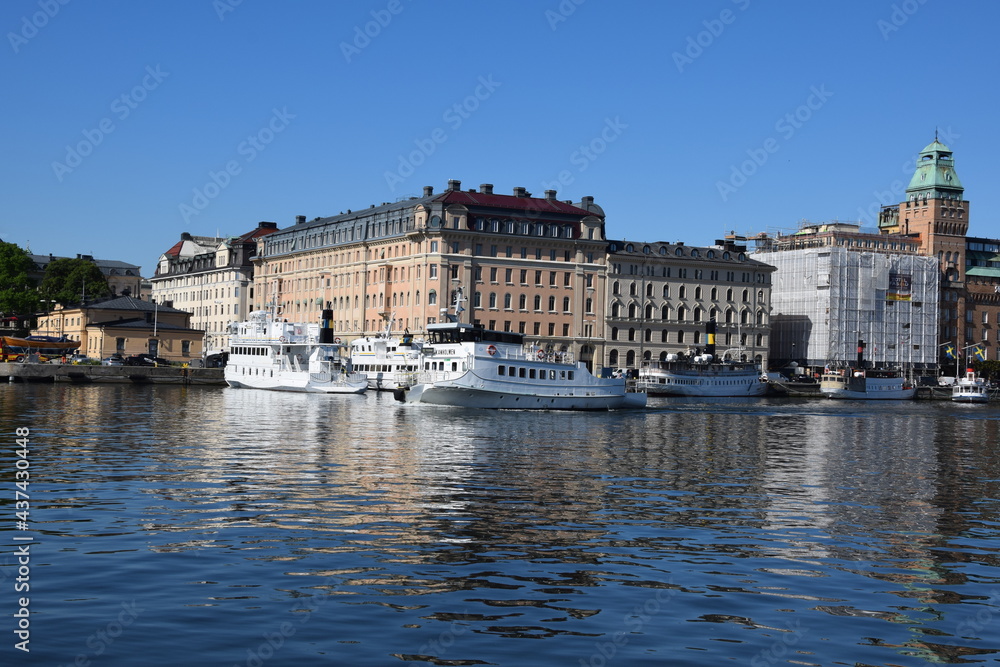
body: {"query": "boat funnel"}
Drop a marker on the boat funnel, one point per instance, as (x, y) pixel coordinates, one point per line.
(326, 327)
(861, 354)
(710, 338)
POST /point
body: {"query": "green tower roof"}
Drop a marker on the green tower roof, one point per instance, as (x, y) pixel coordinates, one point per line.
(935, 174)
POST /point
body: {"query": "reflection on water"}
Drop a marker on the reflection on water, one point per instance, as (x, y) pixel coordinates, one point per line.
(241, 527)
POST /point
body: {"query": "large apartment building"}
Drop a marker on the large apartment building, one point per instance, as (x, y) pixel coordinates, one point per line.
(534, 265)
(661, 296)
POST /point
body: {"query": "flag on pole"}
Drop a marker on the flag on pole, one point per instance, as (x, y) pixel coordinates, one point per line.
(949, 351)
(980, 353)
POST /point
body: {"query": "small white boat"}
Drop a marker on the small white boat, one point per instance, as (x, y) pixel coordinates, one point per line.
(265, 353)
(970, 389)
(866, 384)
(468, 366)
(387, 360)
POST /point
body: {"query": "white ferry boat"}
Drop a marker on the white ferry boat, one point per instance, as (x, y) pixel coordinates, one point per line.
(386, 359)
(703, 374)
(265, 353)
(866, 384)
(468, 366)
(970, 389)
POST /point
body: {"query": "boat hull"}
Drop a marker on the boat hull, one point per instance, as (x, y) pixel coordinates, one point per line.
(885, 394)
(456, 394)
(289, 382)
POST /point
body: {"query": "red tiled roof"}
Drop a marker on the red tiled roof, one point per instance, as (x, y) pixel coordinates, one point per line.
(256, 233)
(511, 202)
(175, 250)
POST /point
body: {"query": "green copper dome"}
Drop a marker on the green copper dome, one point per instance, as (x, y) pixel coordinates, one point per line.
(935, 174)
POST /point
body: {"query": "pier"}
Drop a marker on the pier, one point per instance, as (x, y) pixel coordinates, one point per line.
(87, 374)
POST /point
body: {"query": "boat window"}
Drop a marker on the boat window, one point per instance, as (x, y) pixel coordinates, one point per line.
(562, 375)
(501, 370)
(552, 375)
(520, 372)
(571, 376)
(531, 374)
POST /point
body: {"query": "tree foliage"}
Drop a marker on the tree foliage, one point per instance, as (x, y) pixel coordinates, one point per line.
(69, 281)
(18, 295)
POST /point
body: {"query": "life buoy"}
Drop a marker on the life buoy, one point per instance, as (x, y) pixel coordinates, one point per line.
(337, 340)
(541, 354)
(282, 339)
(491, 350)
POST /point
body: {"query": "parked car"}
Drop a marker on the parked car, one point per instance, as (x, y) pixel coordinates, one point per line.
(144, 359)
(77, 359)
(113, 360)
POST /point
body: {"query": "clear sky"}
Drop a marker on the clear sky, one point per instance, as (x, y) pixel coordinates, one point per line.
(127, 123)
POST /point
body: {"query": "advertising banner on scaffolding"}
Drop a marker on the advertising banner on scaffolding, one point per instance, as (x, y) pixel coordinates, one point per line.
(900, 286)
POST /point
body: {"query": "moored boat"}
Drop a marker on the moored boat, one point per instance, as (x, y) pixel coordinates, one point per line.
(970, 389)
(36, 348)
(387, 360)
(703, 374)
(866, 384)
(283, 356)
(467, 366)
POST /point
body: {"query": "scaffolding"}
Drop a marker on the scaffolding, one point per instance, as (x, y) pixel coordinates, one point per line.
(825, 300)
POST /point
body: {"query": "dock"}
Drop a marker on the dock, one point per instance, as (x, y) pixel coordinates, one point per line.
(88, 374)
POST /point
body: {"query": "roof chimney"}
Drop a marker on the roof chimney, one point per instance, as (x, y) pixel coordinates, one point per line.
(300, 219)
(428, 190)
(185, 236)
(454, 186)
(520, 192)
(550, 195)
(486, 189)
(267, 225)
(586, 202)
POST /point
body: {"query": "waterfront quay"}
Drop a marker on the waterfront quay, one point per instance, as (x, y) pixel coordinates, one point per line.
(87, 374)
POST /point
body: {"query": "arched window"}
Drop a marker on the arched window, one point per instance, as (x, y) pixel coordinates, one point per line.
(665, 313)
(631, 310)
(697, 314)
(649, 311)
(538, 303)
(681, 313)
(666, 291)
(613, 358)
(615, 309)
(631, 333)
(493, 299)
(663, 339)
(630, 358)
(648, 335)
(614, 333)
(507, 301)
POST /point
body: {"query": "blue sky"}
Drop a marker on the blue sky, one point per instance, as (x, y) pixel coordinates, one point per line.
(128, 123)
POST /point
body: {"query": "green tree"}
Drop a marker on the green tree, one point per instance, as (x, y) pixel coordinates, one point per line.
(18, 295)
(69, 281)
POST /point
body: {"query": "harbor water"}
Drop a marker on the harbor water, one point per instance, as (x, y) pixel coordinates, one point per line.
(212, 526)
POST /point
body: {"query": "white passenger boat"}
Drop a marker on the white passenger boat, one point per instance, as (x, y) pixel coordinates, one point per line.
(703, 374)
(866, 384)
(386, 359)
(266, 353)
(970, 389)
(468, 366)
